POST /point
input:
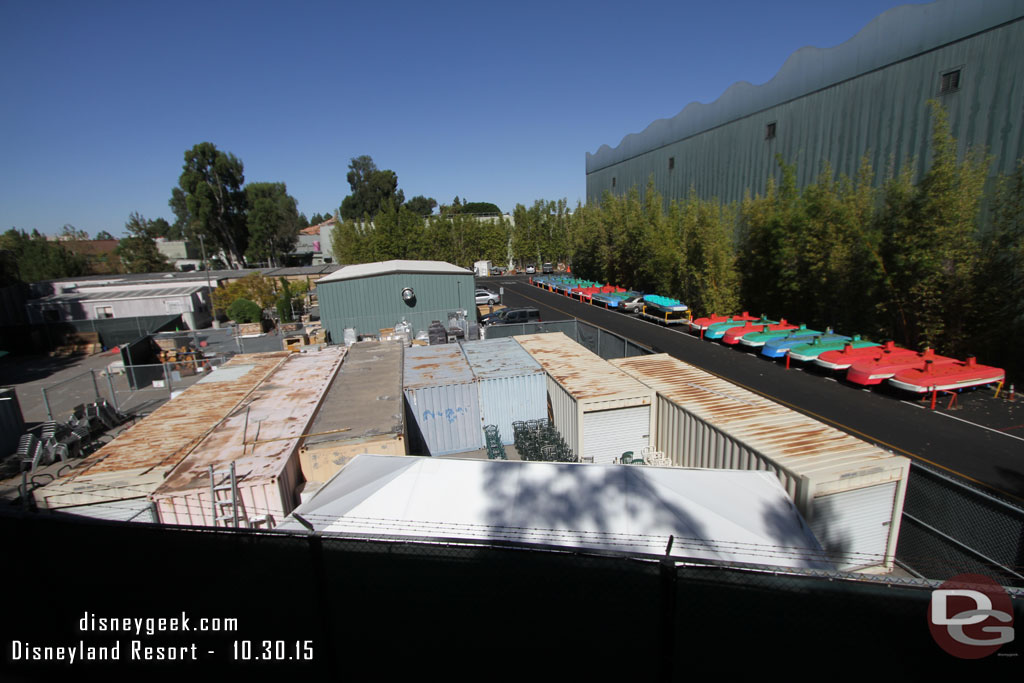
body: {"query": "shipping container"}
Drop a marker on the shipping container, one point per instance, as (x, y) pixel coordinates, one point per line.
(363, 411)
(600, 411)
(511, 384)
(260, 438)
(443, 401)
(135, 463)
(850, 492)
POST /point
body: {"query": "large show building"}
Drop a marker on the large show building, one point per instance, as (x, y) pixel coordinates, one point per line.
(867, 96)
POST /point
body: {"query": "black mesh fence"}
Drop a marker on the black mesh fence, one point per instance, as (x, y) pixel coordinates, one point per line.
(399, 607)
(950, 527)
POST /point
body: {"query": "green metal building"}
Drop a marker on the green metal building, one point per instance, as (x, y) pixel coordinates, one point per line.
(865, 97)
(371, 296)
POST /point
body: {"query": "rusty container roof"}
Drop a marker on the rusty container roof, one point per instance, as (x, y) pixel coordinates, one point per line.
(499, 358)
(790, 439)
(436, 366)
(262, 433)
(365, 397)
(585, 375)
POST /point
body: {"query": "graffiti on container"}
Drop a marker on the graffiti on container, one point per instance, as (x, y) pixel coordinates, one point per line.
(450, 414)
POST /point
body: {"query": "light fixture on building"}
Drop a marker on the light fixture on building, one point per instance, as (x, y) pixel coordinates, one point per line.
(408, 296)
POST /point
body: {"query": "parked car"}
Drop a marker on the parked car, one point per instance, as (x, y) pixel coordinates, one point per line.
(530, 269)
(547, 268)
(498, 270)
(508, 316)
(485, 297)
(632, 304)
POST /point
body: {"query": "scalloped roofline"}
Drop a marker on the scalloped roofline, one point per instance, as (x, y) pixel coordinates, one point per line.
(894, 35)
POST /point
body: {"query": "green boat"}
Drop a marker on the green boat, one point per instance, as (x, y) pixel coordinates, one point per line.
(809, 352)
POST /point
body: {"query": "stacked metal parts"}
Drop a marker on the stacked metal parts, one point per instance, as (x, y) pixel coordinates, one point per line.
(495, 449)
(538, 440)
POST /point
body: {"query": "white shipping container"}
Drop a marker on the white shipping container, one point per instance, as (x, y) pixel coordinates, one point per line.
(600, 411)
(849, 491)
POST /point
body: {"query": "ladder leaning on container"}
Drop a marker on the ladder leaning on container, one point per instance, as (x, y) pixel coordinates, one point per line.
(227, 505)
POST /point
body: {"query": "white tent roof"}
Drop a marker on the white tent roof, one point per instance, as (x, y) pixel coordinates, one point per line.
(396, 266)
(725, 515)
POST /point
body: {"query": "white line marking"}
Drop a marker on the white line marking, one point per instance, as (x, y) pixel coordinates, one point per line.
(978, 425)
(830, 379)
(915, 405)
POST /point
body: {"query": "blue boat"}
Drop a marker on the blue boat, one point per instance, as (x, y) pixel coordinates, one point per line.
(777, 348)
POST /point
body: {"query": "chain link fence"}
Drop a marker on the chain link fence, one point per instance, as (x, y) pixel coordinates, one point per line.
(131, 389)
(605, 344)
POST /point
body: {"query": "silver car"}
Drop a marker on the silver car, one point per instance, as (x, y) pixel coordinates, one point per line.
(485, 297)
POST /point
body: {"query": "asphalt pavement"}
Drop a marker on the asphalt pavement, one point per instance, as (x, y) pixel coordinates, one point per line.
(980, 439)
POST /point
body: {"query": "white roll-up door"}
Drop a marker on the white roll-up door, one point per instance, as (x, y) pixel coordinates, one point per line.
(855, 524)
(607, 434)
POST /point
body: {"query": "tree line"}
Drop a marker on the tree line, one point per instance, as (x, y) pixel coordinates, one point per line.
(921, 263)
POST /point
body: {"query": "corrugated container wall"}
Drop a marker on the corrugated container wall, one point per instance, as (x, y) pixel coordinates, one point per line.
(839, 105)
(371, 303)
(600, 411)
(443, 400)
(512, 384)
(365, 400)
(704, 421)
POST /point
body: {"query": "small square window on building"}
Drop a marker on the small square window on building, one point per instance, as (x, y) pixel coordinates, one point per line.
(671, 163)
(769, 131)
(104, 312)
(950, 82)
(613, 181)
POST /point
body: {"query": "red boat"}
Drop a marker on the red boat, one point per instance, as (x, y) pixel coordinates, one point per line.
(851, 353)
(733, 334)
(701, 324)
(928, 376)
(867, 372)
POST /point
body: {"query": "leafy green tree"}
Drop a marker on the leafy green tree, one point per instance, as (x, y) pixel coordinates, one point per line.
(138, 251)
(103, 235)
(33, 258)
(284, 302)
(209, 200)
(932, 252)
(70, 232)
(273, 221)
(372, 189)
(245, 311)
(480, 208)
(421, 206)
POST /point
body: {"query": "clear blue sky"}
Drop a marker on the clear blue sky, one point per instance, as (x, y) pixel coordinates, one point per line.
(490, 102)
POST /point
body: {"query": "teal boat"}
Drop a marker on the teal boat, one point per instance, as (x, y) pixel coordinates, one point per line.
(756, 340)
(809, 352)
(718, 330)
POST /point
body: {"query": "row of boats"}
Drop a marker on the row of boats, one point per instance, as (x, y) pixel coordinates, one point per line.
(864, 362)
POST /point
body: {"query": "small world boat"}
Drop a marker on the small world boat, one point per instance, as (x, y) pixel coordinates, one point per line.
(702, 324)
(870, 371)
(756, 340)
(733, 335)
(665, 310)
(928, 376)
(834, 355)
(718, 330)
(779, 347)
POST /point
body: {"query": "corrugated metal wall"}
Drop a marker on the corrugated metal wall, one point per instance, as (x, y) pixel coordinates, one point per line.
(881, 113)
(506, 400)
(372, 303)
(448, 417)
(565, 414)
